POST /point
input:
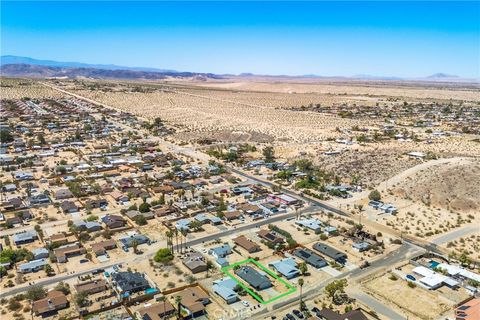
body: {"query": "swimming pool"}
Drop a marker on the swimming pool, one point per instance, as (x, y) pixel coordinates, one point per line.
(151, 291)
(433, 264)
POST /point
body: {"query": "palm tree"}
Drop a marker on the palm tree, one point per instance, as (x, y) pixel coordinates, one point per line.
(184, 235)
(170, 239)
(209, 266)
(178, 302)
(163, 299)
(176, 237)
(301, 283)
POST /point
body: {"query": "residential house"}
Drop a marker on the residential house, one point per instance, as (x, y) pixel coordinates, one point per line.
(203, 219)
(193, 301)
(96, 203)
(90, 226)
(254, 278)
(157, 311)
(250, 209)
(195, 262)
(286, 267)
(63, 193)
(271, 236)
(133, 214)
(361, 246)
(113, 221)
(68, 207)
(54, 301)
(225, 288)
(312, 224)
(40, 253)
(38, 199)
(246, 244)
(91, 287)
(119, 197)
(127, 242)
(32, 266)
(330, 252)
(221, 251)
(61, 238)
(310, 257)
(232, 215)
(129, 282)
(13, 204)
(469, 310)
(24, 237)
(62, 253)
(100, 248)
(182, 225)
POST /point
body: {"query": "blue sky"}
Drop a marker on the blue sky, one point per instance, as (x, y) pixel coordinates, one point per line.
(407, 39)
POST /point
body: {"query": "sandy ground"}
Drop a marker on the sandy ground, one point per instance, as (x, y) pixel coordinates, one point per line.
(419, 303)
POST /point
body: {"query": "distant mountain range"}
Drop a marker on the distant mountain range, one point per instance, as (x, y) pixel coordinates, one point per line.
(28, 67)
(50, 63)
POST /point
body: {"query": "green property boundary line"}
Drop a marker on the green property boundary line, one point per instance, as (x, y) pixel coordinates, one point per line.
(291, 288)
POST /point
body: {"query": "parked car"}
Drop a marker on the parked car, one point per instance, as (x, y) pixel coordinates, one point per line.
(298, 314)
(290, 317)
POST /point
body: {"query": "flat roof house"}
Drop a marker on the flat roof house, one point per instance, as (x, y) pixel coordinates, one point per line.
(254, 278)
(54, 301)
(330, 252)
(310, 257)
(361, 246)
(312, 224)
(247, 244)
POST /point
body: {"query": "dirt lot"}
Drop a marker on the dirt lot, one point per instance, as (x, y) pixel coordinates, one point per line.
(420, 303)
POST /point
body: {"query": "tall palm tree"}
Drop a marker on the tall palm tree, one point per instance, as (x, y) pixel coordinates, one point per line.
(178, 302)
(176, 237)
(301, 283)
(163, 299)
(184, 234)
(209, 266)
(169, 240)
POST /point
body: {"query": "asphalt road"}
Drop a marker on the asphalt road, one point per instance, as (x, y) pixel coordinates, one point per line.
(189, 243)
(376, 305)
(404, 252)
